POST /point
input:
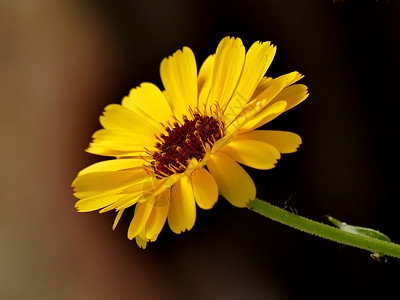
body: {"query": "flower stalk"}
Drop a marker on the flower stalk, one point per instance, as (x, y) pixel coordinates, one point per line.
(375, 245)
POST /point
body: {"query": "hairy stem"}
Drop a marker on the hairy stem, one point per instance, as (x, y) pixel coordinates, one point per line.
(328, 232)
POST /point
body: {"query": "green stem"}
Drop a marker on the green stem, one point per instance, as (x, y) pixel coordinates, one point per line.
(324, 231)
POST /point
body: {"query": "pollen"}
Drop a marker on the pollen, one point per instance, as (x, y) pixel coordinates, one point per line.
(183, 142)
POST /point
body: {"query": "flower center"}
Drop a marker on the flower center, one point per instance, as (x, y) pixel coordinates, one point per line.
(184, 142)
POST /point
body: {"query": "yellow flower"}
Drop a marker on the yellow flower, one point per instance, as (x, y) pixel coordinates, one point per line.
(183, 146)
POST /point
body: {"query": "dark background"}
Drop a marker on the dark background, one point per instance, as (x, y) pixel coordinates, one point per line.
(63, 61)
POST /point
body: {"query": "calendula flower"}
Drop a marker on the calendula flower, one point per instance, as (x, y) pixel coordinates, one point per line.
(183, 146)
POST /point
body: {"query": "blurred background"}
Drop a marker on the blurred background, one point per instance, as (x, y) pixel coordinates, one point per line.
(62, 61)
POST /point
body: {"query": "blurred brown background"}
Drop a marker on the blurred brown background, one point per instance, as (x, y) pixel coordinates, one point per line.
(61, 62)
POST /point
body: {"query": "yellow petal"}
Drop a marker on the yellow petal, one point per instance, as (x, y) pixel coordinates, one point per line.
(123, 141)
(138, 186)
(151, 186)
(253, 153)
(248, 113)
(158, 215)
(218, 145)
(122, 136)
(232, 180)
(205, 188)
(257, 61)
(228, 65)
(144, 191)
(139, 152)
(283, 141)
(182, 213)
(150, 101)
(113, 165)
(189, 204)
(255, 65)
(293, 95)
(124, 202)
(254, 111)
(96, 202)
(126, 147)
(293, 77)
(175, 216)
(270, 88)
(179, 76)
(270, 57)
(118, 117)
(141, 241)
(142, 214)
(234, 109)
(264, 83)
(271, 91)
(265, 116)
(204, 82)
(94, 183)
(117, 218)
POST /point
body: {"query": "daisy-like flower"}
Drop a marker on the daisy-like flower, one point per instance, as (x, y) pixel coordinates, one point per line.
(183, 146)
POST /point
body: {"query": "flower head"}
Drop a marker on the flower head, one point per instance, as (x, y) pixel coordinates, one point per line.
(183, 146)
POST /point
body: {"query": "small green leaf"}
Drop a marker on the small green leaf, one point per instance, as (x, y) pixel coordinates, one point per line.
(363, 231)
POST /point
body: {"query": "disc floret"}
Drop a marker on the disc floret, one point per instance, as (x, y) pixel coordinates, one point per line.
(184, 141)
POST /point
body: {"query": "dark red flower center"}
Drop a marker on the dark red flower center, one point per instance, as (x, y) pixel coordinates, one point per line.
(184, 142)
